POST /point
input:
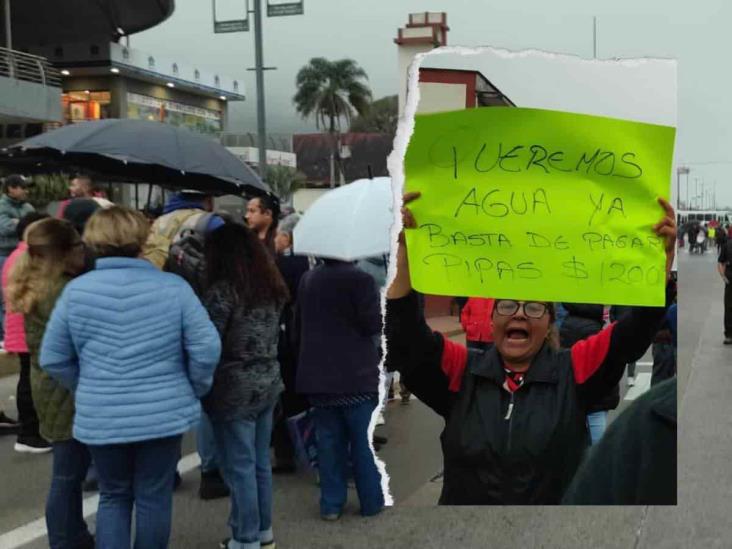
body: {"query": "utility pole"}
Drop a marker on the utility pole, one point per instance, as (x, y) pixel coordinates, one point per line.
(294, 7)
(8, 30)
(259, 68)
(594, 37)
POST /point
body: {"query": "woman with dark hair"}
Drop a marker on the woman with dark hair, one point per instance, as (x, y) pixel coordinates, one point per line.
(263, 214)
(515, 429)
(244, 299)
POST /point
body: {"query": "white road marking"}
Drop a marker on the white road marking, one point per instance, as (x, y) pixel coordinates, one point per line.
(642, 384)
(36, 529)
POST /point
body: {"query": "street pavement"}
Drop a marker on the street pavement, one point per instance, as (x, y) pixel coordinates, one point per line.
(413, 459)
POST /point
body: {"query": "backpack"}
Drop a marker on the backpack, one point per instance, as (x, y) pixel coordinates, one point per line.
(164, 231)
(186, 254)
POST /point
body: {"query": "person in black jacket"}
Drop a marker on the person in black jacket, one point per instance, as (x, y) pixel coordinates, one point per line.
(515, 429)
(582, 321)
(339, 313)
(292, 267)
(635, 462)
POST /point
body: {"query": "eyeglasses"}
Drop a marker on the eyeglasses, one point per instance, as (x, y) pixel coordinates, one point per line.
(532, 309)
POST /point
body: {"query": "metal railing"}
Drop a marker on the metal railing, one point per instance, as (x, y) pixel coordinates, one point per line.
(29, 68)
(275, 141)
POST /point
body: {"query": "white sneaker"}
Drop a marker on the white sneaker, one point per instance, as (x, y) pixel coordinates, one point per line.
(33, 447)
(380, 420)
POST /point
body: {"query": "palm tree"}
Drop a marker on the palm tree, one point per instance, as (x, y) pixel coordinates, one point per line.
(284, 181)
(332, 92)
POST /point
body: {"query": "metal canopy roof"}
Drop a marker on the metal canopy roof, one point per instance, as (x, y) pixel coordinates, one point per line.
(40, 22)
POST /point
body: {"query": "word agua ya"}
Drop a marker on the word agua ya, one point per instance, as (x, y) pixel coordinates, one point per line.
(500, 203)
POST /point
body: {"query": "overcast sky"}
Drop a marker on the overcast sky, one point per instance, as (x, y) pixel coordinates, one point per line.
(695, 33)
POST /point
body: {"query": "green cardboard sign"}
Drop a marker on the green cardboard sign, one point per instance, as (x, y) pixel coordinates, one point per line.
(541, 205)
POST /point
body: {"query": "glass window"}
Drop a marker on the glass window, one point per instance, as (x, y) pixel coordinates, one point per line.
(85, 105)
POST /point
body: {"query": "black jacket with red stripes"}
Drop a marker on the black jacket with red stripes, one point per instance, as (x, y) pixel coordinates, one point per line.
(511, 448)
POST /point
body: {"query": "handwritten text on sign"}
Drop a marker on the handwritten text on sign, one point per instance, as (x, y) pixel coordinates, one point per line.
(532, 204)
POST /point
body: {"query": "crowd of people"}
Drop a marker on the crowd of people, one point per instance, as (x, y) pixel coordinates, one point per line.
(702, 235)
(130, 332)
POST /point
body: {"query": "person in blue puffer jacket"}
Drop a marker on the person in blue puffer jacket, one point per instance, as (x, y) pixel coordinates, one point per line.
(139, 350)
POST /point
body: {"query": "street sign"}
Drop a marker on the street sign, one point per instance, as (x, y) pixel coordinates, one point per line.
(277, 9)
(235, 15)
(231, 26)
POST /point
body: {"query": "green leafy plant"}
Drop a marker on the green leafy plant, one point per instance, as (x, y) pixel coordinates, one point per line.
(381, 117)
(284, 181)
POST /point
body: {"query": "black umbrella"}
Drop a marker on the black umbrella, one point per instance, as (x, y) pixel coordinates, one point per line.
(137, 150)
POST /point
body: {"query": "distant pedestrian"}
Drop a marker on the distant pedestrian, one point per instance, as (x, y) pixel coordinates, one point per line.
(724, 268)
(135, 345)
(13, 206)
(475, 319)
(54, 256)
(339, 314)
(582, 321)
(720, 239)
(245, 298)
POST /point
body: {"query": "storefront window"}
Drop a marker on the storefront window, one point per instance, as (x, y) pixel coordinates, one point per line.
(143, 107)
(85, 105)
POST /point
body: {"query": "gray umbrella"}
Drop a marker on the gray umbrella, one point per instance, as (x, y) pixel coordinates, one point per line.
(138, 150)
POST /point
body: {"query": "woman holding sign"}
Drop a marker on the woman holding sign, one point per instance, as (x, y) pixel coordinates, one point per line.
(515, 429)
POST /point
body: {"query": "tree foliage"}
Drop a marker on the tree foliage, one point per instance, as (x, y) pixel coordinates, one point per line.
(381, 117)
(284, 181)
(331, 92)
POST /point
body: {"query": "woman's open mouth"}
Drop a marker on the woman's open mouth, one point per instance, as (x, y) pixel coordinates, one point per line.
(517, 335)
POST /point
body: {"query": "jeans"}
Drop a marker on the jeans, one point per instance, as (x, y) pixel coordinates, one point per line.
(27, 416)
(597, 423)
(64, 510)
(206, 444)
(342, 434)
(139, 474)
(243, 450)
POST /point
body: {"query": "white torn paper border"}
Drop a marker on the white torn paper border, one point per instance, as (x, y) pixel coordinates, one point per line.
(639, 89)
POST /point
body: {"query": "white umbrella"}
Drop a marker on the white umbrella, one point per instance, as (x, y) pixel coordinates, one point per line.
(348, 223)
